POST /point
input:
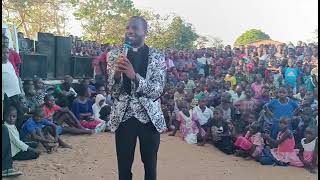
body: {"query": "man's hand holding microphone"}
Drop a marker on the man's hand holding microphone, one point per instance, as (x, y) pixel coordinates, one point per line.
(124, 66)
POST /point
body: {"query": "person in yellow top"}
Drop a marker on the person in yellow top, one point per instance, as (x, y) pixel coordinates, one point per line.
(231, 78)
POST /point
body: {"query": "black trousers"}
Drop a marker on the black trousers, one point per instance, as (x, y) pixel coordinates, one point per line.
(27, 155)
(126, 138)
(6, 149)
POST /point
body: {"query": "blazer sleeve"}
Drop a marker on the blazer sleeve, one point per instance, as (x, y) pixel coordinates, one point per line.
(113, 86)
(153, 86)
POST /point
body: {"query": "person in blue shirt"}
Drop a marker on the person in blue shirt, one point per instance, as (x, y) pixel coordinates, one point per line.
(38, 129)
(292, 75)
(282, 107)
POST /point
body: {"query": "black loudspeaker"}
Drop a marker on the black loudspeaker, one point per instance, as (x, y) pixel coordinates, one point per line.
(81, 67)
(63, 55)
(46, 46)
(33, 65)
(26, 45)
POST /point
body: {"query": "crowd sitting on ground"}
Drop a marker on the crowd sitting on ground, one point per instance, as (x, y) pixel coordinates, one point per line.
(255, 102)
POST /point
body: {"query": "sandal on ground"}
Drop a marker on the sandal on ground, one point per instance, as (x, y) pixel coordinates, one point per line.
(11, 172)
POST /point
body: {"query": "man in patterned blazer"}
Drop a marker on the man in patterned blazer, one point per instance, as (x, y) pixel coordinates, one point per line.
(136, 82)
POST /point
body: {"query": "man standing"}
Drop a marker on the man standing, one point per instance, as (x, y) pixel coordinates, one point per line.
(136, 82)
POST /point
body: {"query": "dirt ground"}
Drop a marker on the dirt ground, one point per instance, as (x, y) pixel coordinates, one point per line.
(93, 158)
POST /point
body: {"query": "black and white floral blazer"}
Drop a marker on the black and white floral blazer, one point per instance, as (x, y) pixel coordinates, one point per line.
(149, 90)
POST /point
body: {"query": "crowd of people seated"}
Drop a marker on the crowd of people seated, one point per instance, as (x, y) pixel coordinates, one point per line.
(258, 103)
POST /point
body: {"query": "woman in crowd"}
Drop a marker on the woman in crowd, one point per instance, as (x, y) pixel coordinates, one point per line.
(82, 109)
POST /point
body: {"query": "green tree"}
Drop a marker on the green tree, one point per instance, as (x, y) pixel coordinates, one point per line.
(209, 41)
(104, 21)
(32, 16)
(250, 36)
(157, 36)
(181, 34)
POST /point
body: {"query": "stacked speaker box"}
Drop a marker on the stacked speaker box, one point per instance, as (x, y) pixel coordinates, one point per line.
(62, 56)
(81, 67)
(46, 46)
(33, 65)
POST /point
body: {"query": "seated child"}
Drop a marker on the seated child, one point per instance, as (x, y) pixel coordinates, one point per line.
(308, 153)
(64, 92)
(38, 129)
(221, 134)
(19, 149)
(100, 101)
(252, 143)
(282, 152)
(204, 115)
(7, 165)
(58, 115)
(188, 126)
(306, 120)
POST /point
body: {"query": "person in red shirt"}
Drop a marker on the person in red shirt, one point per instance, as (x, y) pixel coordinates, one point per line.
(100, 66)
(58, 115)
(16, 62)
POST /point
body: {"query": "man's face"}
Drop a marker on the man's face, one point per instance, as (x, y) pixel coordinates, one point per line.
(50, 101)
(12, 117)
(31, 90)
(217, 115)
(102, 91)
(238, 89)
(290, 63)
(248, 92)
(38, 117)
(38, 84)
(283, 93)
(135, 32)
(203, 102)
(68, 80)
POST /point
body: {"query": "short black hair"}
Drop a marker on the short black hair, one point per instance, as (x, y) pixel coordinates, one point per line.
(144, 22)
(47, 96)
(8, 110)
(83, 89)
(38, 112)
(98, 85)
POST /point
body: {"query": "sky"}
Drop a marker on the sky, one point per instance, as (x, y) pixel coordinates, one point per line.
(283, 20)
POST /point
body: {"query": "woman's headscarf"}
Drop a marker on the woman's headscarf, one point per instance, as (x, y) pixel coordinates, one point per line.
(99, 98)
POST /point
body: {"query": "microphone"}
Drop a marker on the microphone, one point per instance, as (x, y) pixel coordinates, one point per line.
(126, 46)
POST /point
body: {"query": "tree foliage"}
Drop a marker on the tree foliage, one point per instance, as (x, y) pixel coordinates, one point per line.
(208, 41)
(32, 16)
(104, 21)
(250, 36)
(181, 34)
